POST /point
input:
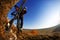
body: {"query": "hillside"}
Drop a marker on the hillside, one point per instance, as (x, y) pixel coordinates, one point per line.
(5, 6)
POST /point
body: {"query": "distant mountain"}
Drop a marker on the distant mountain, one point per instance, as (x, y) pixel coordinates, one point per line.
(57, 29)
(44, 31)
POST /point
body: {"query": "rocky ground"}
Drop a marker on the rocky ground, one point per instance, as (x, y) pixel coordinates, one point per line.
(32, 35)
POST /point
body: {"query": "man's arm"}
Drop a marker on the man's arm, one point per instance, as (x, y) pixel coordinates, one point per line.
(13, 13)
(23, 11)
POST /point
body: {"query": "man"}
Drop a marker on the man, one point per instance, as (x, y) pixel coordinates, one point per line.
(19, 16)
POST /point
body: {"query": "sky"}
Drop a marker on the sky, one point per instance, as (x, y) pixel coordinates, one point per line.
(40, 14)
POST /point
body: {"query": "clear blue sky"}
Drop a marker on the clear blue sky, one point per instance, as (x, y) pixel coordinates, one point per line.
(40, 13)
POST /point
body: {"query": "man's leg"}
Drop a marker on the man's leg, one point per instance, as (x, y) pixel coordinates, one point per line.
(21, 22)
(18, 23)
(8, 25)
